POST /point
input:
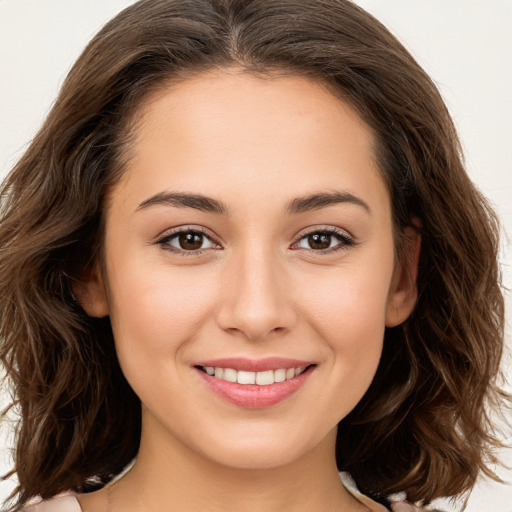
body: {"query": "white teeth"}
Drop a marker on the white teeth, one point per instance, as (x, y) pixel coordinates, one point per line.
(264, 378)
(229, 375)
(279, 375)
(246, 377)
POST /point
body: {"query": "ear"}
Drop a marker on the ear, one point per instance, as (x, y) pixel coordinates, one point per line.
(403, 292)
(91, 293)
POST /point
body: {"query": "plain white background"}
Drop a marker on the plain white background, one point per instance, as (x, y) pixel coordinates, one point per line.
(465, 46)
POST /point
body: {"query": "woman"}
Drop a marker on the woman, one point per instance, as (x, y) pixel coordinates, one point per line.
(243, 253)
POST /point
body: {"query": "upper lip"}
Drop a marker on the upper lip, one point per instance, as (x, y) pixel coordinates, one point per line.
(255, 365)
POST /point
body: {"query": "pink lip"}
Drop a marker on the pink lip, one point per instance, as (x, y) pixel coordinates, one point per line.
(255, 365)
(253, 396)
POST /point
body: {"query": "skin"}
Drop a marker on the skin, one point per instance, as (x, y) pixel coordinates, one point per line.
(257, 289)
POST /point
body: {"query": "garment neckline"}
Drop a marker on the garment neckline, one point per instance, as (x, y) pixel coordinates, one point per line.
(348, 483)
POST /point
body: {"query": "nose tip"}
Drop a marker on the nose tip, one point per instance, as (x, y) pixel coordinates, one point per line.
(254, 334)
(255, 302)
(255, 314)
(253, 327)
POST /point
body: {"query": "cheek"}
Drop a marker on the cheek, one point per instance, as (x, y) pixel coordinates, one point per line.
(348, 314)
(348, 303)
(156, 311)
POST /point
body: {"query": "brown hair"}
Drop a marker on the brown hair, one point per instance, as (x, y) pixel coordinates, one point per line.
(423, 425)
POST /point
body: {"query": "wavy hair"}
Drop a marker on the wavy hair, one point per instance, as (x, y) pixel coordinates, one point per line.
(423, 426)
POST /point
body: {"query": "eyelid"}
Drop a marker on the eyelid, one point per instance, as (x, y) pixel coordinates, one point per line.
(163, 239)
(347, 240)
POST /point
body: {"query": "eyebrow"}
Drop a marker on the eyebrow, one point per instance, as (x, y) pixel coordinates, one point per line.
(324, 199)
(209, 205)
(184, 200)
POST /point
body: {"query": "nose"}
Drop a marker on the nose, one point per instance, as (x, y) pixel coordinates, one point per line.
(255, 298)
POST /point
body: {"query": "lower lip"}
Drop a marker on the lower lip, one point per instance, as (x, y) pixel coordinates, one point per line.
(253, 396)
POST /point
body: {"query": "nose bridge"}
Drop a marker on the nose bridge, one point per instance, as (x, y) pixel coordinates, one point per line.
(255, 300)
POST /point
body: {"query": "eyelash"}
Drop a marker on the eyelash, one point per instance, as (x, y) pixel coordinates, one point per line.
(345, 240)
(164, 241)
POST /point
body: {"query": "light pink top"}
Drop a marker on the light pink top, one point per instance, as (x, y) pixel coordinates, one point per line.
(60, 504)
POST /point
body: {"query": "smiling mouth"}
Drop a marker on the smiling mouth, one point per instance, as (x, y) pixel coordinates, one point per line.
(263, 378)
(254, 383)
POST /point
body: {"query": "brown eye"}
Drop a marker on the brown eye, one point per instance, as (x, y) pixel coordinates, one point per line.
(325, 241)
(190, 241)
(187, 241)
(319, 241)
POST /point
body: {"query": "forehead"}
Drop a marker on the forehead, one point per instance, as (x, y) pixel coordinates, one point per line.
(228, 130)
(234, 97)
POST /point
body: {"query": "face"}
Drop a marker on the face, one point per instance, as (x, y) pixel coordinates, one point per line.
(249, 237)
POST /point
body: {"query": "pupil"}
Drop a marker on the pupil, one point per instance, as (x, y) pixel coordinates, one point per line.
(190, 241)
(319, 241)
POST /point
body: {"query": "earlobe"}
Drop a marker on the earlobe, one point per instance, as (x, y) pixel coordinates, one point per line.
(404, 291)
(91, 293)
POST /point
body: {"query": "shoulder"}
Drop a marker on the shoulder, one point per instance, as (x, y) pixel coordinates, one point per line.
(405, 506)
(394, 503)
(60, 504)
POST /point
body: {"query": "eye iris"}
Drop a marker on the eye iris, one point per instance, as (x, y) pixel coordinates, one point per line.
(319, 241)
(190, 241)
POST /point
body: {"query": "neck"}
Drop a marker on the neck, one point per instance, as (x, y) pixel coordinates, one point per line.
(170, 476)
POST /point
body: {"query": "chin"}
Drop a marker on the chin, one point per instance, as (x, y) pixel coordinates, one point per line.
(262, 450)
(255, 457)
